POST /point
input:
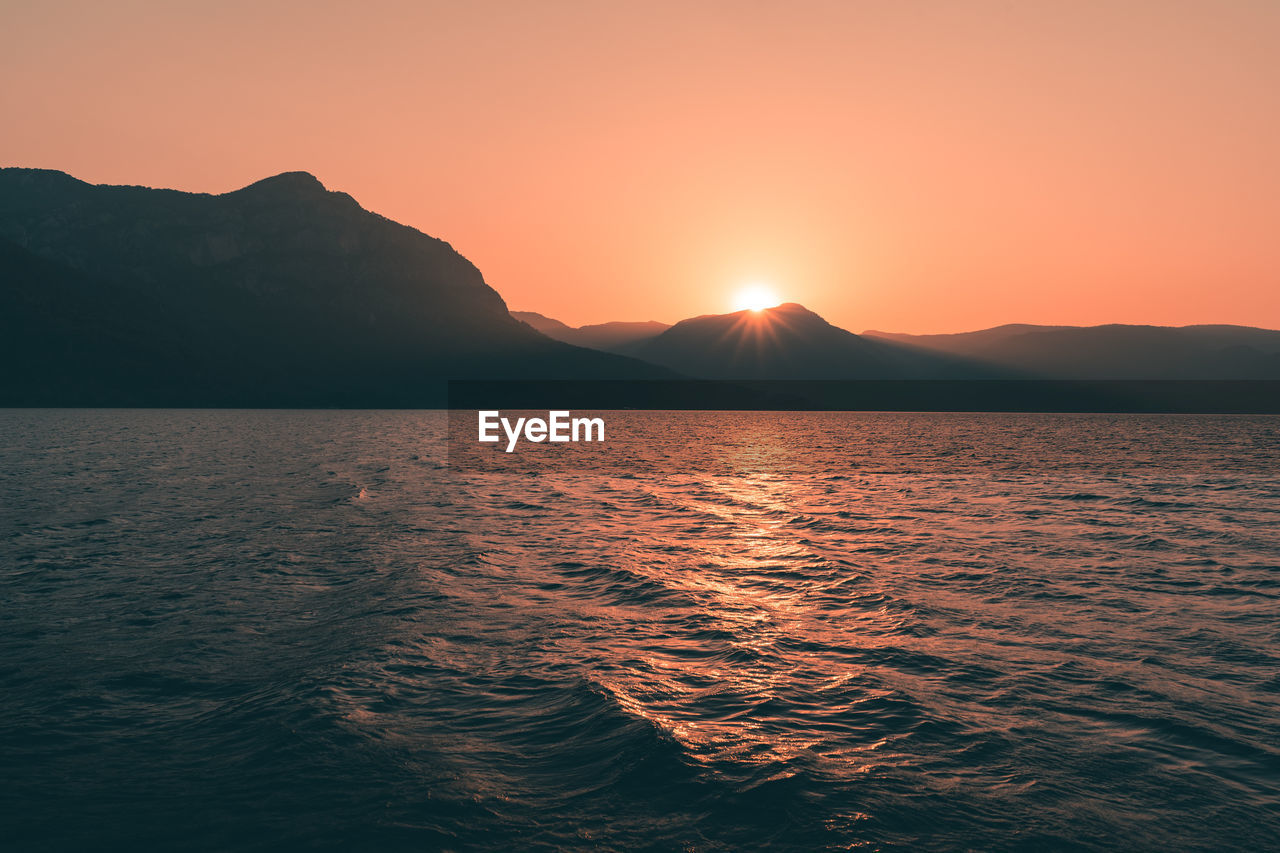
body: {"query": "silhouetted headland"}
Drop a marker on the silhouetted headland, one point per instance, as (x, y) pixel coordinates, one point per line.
(279, 294)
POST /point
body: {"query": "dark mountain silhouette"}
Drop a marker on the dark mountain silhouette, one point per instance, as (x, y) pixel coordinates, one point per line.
(549, 327)
(281, 293)
(1112, 351)
(791, 342)
(617, 337)
(286, 294)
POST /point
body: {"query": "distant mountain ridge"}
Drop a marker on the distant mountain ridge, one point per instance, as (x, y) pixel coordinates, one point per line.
(616, 337)
(1112, 351)
(279, 293)
(284, 293)
(790, 342)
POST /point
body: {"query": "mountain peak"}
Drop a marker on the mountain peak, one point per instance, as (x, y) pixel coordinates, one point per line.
(787, 312)
(281, 293)
(286, 183)
(790, 308)
(29, 175)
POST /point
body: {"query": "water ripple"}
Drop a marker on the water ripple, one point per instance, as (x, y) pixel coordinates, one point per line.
(250, 630)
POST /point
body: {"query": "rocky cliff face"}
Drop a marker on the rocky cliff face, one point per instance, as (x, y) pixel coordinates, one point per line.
(279, 293)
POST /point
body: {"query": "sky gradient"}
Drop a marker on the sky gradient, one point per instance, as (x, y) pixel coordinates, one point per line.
(910, 166)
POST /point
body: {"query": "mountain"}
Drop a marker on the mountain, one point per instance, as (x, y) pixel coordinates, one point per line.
(280, 293)
(619, 337)
(791, 342)
(1112, 351)
(549, 327)
(616, 337)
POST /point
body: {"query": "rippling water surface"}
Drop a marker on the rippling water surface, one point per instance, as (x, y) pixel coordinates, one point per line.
(740, 631)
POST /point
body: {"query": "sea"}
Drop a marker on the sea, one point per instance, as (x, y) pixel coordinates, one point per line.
(713, 631)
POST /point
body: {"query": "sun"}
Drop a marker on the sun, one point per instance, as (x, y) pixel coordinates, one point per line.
(755, 297)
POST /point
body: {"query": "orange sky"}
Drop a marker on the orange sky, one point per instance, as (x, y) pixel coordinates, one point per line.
(907, 166)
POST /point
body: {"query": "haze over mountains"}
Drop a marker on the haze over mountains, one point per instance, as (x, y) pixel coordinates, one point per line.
(1112, 351)
(791, 342)
(281, 293)
(619, 337)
